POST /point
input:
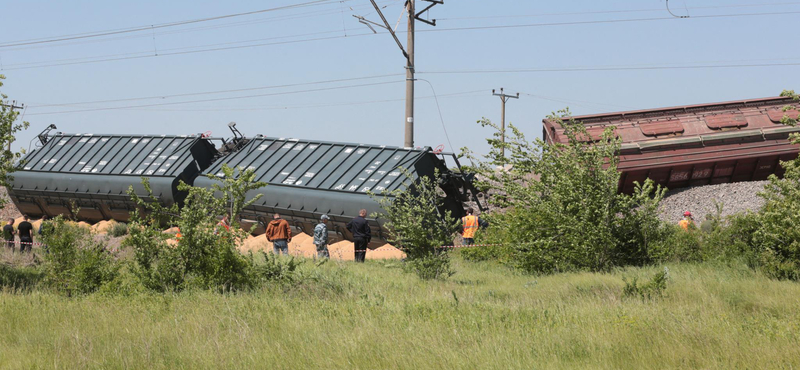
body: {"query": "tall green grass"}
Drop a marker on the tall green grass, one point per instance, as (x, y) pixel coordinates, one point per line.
(373, 316)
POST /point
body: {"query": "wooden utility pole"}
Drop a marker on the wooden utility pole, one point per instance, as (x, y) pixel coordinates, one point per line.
(503, 98)
(12, 106)
(408, 53)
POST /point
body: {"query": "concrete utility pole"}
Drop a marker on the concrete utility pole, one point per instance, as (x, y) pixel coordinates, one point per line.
(408, 53)
(408, 142)
(503, 98)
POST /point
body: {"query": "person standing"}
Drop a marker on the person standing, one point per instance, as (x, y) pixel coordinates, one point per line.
(321, 237)
(8, 233)
(280, 234)
(25, 230)
(43, 227)
(470, 224)
(361, 235)
(223, 224)
(687, 221)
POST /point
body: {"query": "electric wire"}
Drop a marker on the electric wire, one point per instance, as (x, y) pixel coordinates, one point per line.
(162, 25)
(613, 11)
(37, 106)
(594, 69)
(217, 99)
(441, 118)
(150, 55)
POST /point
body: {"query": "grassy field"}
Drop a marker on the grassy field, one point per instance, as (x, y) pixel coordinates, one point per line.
(373, 316)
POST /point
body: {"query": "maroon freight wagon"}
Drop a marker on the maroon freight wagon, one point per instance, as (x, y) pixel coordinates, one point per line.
(697, 144)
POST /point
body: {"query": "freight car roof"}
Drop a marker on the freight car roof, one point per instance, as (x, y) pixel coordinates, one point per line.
(135, 155)
(324, 165)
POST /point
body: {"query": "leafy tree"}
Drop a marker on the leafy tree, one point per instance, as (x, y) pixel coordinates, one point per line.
(776, 239)
(8, 129)
(417, 225)
(561, 209)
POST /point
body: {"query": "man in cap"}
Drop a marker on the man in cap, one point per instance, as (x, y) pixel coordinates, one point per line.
(321, 237)
(687, 221)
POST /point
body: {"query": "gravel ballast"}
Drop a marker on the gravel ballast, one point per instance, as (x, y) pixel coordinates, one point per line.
(735, 198)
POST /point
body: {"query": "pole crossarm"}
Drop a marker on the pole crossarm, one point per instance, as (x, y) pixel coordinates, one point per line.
(432, 4)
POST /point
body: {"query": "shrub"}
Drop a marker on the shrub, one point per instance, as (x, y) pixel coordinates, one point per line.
(118, 229)
(418, 226)
(276, 268)
(563, 211)
(652, 289)
(74, 262)
(205, 256)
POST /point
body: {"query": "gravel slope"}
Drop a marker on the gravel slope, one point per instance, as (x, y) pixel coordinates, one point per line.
(735, 198)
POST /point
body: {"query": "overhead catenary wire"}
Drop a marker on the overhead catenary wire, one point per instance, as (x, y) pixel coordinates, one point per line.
(162, 25)
(148, 54)
(217, 99)
(37, 106)
(649, 10)
(623, 68)
(192, 29)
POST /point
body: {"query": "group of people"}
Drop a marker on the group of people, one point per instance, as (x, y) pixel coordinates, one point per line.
(280, 234)
(24, 231)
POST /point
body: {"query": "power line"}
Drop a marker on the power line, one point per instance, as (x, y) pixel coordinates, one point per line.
(37, 106)
(613, 11)
(216, 99)
(529, 25)
(162, 25)
(629, 68)
(148, 54)
(202, 28)
(303, 106)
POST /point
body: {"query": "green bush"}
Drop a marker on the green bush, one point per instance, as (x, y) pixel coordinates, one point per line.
(118, 229)
(206, 256)
(417, 225)
(563, 212)
(652, 289)
(276, 269)
(75, 263)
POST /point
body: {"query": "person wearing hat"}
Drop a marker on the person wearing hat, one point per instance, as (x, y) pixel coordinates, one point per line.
(321, 237)
(687, 221)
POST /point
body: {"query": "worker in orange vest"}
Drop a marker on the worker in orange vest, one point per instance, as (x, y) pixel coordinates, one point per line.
(687, 221)
(223, 224)
(470, 224)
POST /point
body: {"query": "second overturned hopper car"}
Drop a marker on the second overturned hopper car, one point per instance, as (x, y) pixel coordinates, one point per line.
(698, 144)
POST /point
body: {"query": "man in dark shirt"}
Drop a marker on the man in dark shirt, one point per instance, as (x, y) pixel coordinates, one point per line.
(25, 230)
(8, 233)
(361, 234)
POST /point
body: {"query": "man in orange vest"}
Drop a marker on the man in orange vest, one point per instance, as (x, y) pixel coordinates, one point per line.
(470, 224)
(687, 221)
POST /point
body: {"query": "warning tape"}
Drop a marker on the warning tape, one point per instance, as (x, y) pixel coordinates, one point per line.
(441, 247)
(26, 243)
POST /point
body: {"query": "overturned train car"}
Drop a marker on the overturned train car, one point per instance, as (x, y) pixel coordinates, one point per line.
(695, 145)
(305, 179)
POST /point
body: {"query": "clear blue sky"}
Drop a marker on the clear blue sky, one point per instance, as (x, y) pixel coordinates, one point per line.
(374, 113)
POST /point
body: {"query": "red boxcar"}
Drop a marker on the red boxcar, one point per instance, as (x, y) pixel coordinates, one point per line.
(698, 144)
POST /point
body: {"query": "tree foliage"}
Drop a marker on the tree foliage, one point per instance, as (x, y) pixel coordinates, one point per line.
(417, 224)
(776, 238)
(205, 255)
(8, 129)
(561, 208)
